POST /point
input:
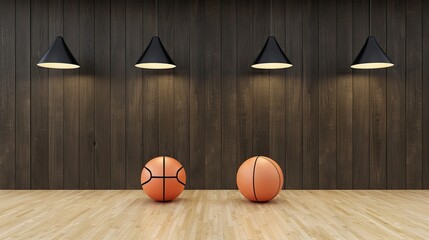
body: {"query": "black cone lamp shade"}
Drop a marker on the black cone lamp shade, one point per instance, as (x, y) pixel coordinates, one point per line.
(271, 56)
(58, 56)
(371, 56)
(155, 56)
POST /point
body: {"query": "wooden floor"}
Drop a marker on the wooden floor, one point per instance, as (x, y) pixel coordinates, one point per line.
(209, 214)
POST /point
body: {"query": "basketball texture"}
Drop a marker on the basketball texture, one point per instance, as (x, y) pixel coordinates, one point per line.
(259, 179)
(163, 179)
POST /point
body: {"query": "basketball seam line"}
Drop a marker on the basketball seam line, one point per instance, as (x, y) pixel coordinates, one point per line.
(253, 178)
(279, 180)
(150, 178)
(163, 179)
(177, 176)
(163, 176)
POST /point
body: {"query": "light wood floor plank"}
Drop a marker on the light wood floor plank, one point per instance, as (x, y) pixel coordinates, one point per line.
(214, 214)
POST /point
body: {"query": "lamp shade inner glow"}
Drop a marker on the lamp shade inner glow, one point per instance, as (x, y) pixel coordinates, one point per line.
(58, 56)
(271, 56)
(272, 65)
(371, 56)
(155, 56)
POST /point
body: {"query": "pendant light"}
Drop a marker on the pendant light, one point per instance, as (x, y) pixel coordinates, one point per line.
(155, 56)
(58, 56)
(271, 56)
(372, 55)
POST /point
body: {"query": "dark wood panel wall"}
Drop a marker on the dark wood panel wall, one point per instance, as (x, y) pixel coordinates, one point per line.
(326, 125)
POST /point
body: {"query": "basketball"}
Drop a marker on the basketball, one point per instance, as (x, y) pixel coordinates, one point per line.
(259, 179)
(163, 179)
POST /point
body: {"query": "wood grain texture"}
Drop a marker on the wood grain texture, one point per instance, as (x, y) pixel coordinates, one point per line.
(134, 86)
(150, 97)
(72, 96)
(260, 84)
(86, 95)
(22, 93)
(425, 96)
(377, 101)
(181, 82)
(102, 95)
(39, 97)
(292, 214)
(293, 96)
(344, 95)
(213, 94)
(414, 94)
(229, 93)
(245, 58)
(56, 103)
(326, 125)
(396, 105)
(361, 132)
(166, 84)
(310, 106)
(327, 98)
(277, 111)
(150, 87)
(197, 96)
(117, 95)
(7, 96)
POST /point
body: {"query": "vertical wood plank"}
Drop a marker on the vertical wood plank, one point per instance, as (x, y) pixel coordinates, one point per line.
(344, 95)
(181, 82)
(39, 97)
(260, 80)
(86, 97)
(71, 96)
(245, 58)
(396, 107)
(414, 94)
(310, 65)
(7, 95)
(166, 81)
(56, 103)
(134, 108)
(117, 94)
(277, 91)
(197, 96)
(229, 93)
(327, 99)
(360, 99)
(377, 87)
(150, 86)
(425, 95)
(102, 94)
(22, 78)
(213, 93)
(293, 95)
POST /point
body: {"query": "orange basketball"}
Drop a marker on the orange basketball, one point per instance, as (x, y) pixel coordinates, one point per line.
(163, 179)
(259, 179)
